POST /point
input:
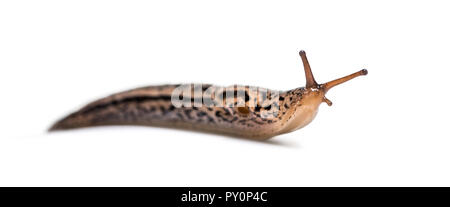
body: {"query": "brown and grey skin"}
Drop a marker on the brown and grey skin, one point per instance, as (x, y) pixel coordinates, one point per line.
(152, 106)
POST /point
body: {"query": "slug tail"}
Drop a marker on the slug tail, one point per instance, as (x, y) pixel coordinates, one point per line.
(142, 106)
(80, 119)
(106, 111)
(72, 121)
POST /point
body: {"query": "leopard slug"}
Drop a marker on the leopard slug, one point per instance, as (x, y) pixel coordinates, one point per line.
(241, 111)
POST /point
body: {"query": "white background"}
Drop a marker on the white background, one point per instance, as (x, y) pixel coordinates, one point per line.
(389, 128)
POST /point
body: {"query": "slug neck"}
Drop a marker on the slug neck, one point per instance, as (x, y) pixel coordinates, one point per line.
(303, 109)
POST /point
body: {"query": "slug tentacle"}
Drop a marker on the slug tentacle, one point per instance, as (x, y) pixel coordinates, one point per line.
(310, 81)
(326, 100)
(327, 86)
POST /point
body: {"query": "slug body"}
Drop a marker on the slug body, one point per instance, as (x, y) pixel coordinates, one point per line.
(242, 111)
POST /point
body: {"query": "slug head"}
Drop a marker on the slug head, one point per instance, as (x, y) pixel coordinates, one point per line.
(315, 90)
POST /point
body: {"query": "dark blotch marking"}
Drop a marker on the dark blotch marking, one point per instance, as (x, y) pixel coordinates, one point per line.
(187, 112)
(163, 110)
(224, 94)
(205, 87)
(247, 97)
(227, 113)
(218, 114)
(243, 110)
(179, 115)
(210, 120)
(256, 121)
(201, 114)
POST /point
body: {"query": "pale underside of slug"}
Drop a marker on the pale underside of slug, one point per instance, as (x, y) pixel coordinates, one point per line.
(250, 114)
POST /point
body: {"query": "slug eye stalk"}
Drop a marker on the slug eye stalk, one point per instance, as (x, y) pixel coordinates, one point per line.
(328, 85)
(311, 82)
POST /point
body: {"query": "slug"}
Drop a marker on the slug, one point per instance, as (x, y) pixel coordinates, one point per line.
(242, 111)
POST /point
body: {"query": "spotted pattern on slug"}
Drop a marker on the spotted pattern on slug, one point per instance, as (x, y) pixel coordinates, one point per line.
(152, 105)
